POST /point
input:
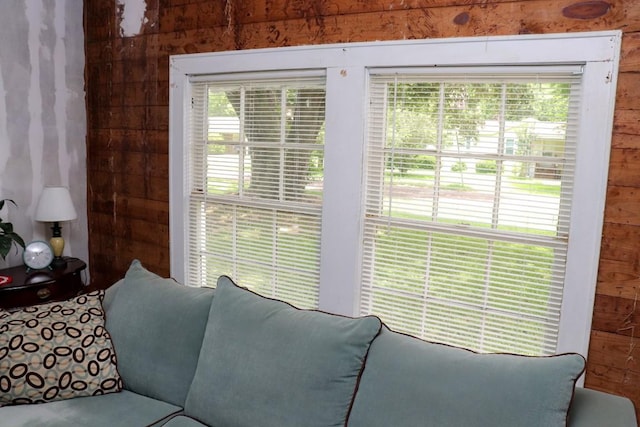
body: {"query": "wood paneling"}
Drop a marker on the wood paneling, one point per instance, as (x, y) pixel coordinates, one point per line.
(614, 364)
(127, 83)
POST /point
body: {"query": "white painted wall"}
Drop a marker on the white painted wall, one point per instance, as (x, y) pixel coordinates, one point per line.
(132, 16)
(42, 115)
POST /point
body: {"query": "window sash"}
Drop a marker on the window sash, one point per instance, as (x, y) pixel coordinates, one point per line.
(487, 273)
(250, 199)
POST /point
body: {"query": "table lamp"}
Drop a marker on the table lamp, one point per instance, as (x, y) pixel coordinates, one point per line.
(55, 206)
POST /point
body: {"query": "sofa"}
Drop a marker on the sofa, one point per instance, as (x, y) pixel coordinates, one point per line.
(178, 356)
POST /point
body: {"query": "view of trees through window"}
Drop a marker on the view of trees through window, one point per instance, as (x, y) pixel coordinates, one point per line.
(465, 110)
(272, 118)
(476, 131)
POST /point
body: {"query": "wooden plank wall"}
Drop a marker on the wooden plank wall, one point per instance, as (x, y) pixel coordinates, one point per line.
(127, 113)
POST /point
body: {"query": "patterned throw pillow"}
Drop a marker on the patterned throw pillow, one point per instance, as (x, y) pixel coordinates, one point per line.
(56, 351)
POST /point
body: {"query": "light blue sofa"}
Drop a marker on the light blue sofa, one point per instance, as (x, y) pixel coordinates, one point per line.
(197, 357)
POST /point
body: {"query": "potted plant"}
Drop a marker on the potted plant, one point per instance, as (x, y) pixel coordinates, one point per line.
(7, 236)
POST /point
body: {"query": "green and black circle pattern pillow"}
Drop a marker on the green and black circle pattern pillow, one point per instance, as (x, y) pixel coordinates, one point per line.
(56, 351)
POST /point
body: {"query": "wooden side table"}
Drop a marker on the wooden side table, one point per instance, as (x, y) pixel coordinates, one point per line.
(41, 286)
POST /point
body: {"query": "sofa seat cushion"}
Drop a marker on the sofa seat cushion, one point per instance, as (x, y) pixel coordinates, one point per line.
(183, 421)
(265, 363)
(56, 351)
(157, 326)
(592, 408)
(116, 409)
(408, 382)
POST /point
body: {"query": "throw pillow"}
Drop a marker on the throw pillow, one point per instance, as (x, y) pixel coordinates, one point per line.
(265, 363)
(56, 351)
(408, 382)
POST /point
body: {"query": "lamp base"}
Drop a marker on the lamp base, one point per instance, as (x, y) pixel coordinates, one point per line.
(58, 263)
(57, 244)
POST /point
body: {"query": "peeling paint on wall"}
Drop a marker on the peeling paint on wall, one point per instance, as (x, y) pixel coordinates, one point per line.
(42, 114)
(132, 16)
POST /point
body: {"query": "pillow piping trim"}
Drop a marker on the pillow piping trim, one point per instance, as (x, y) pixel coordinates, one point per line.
(358, 380)
(315, 310)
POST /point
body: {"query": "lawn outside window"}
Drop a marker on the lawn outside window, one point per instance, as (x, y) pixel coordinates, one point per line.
(454, 187)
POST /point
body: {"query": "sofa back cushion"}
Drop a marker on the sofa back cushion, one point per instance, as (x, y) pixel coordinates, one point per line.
(265, 363)
(157, 326)
(409, 382)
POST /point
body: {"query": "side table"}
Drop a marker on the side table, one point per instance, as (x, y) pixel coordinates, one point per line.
(41, 286)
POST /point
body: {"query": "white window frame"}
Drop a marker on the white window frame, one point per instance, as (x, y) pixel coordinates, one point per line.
(346, 67)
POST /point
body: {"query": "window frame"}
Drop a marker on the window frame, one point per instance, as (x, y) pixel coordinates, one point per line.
(346, 67)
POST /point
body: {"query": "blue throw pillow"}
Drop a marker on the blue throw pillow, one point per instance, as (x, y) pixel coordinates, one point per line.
(265, 363)
(409, 382)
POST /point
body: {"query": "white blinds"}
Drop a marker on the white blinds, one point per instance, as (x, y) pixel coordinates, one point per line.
(256, 174)
(469, 179)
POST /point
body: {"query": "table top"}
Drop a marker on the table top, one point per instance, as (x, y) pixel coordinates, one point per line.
(23, 278)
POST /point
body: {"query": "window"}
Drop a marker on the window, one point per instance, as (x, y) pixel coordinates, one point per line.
(255, 198)
(463, 244)
(453, 187)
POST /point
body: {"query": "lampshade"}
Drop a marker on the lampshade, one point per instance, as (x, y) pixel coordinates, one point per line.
(55, 205)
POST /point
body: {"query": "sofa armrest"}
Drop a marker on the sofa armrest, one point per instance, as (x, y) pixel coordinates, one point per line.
(592, 408)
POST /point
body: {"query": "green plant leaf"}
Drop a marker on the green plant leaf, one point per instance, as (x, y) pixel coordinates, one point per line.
(7, 236)
(5, 246)
(16, 238)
